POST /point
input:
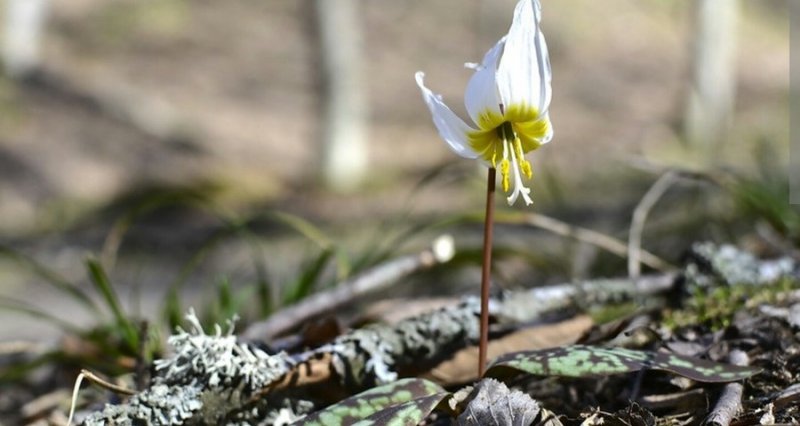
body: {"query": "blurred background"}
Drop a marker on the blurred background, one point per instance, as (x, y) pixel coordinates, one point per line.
(236, 155)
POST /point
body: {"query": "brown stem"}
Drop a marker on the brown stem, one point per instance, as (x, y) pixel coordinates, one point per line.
(486, 271)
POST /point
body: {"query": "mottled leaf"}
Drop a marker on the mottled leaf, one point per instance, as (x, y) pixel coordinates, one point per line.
(592, 361)
(371, 402)
(410, 413)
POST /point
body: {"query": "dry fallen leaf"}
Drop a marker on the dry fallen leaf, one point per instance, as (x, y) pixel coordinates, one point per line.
(461, 368)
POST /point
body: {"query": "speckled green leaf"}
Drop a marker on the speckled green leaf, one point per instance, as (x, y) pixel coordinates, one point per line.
(369, 403)
(592, 361)
(410, 413)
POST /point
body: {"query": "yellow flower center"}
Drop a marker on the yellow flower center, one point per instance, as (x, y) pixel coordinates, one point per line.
(507, 137)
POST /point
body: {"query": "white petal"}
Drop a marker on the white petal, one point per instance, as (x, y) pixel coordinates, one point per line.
(549, 135)
(451, 128)
(481, 93)
(523, 76)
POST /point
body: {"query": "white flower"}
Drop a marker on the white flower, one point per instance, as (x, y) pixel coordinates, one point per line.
(507, 98)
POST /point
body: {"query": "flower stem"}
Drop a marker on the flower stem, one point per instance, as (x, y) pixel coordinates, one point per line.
(486, 270)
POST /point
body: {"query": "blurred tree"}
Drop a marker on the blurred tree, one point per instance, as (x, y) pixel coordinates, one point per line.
(794, 99)
(342, 82)
(713, 84)
(24, 26)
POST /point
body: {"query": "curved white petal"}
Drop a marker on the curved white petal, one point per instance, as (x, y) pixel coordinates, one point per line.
(548, 136)
(451, 128)
(481, 94)
(523, 76)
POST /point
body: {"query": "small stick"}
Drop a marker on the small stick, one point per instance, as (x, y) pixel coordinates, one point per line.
(730, 401)
(640, 216)
(577, 233)
(370, 281)
(94, 378)
(86, 374)
(486, 270)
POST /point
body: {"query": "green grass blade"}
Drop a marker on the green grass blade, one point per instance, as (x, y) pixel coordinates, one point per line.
(265, 298)
(100, 280)
(304, 228)
(20, 372)
(385, 248)
(148, 200)
(172, 309)
(309, 276)
(50, 277)
(225, 300)
(316, 235)
(241, 227)
(19, 306)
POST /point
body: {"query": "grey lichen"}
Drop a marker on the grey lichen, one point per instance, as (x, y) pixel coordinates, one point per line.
(208, 379)
(539, 303)
(373, 355)
(217, 361)
(160, 404)
(712, 264)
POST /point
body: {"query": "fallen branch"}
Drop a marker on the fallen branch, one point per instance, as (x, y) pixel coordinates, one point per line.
(380, 353)
(375, 279)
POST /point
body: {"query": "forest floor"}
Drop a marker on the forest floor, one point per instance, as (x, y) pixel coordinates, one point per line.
(725, 306)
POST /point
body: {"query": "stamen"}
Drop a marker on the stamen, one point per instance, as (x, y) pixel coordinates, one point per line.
(518, 147)
(519, 187)
(525, 165)
(526, 168)
(506, 134)
(505, 167)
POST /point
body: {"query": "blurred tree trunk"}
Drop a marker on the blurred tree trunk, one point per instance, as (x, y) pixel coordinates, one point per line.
(22, 38)
(341, 82)
(794, 102)
(713, 85)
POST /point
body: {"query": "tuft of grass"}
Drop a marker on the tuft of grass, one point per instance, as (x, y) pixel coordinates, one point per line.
(764, 195)
(309, 276)
(768, 201)
(122, 323)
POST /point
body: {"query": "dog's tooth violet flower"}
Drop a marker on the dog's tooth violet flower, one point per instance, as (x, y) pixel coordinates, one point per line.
(507, 98)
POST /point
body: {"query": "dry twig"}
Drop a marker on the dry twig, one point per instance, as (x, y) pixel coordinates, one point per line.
(605, 242)
(640, 216)
(375, 279)
(730, 401)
